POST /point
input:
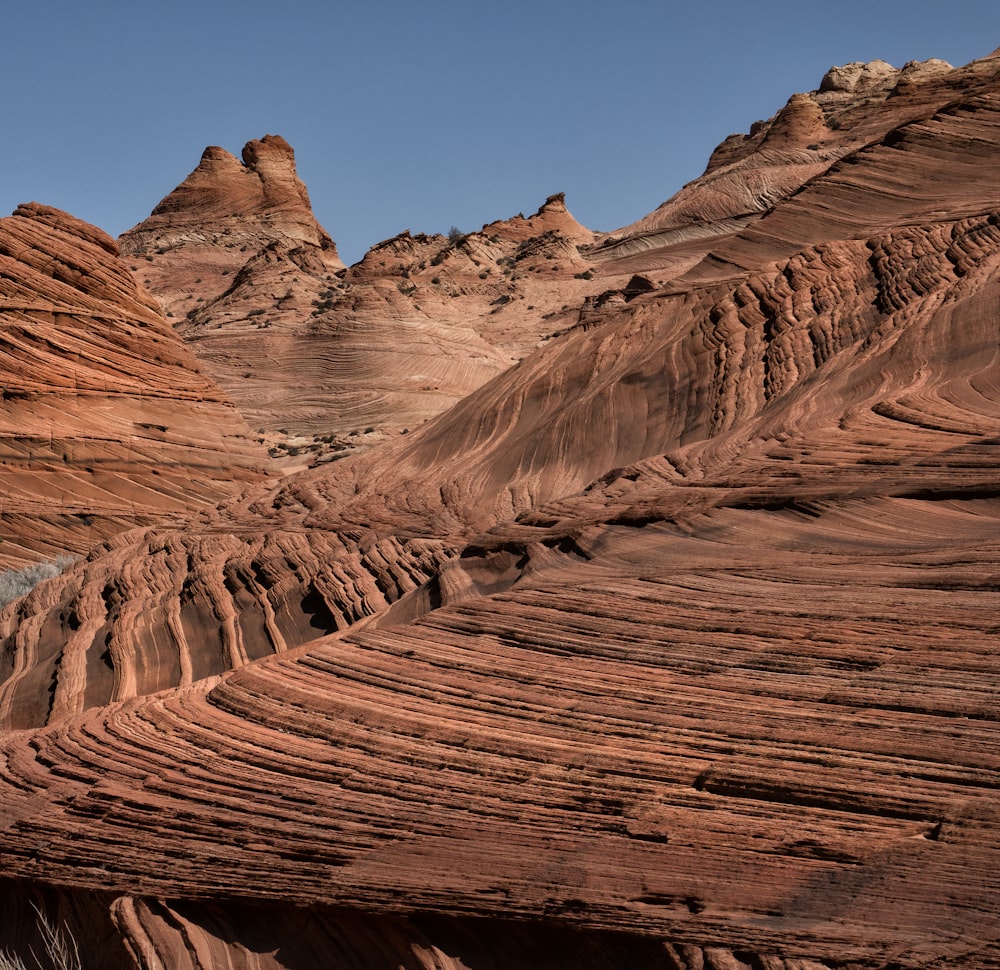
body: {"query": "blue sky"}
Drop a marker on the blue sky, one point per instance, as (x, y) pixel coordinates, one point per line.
(424, 115)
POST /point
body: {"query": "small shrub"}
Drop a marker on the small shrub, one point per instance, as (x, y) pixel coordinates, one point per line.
(60, 948)
(15, 583)
(455, 235)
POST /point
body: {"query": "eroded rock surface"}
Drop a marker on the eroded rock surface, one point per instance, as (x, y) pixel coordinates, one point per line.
(106, 421)
(855, 106)
(325, 360)
(681, 629)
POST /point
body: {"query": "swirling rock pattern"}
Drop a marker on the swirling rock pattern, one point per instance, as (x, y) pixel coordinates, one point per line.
(673, 645)
(106, 421)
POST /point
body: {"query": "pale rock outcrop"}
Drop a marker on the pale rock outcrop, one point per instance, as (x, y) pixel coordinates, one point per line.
(859, 77)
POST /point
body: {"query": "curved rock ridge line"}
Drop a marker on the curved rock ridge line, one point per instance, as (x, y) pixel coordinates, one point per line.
(835, 329)
(793, 734)
(106, 421)
(826, 353)
(856, 106)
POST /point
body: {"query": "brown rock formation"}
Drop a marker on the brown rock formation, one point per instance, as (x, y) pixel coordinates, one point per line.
(105, 420)
(260, 200)
(322, 359)
(748, 175)
(710, 683)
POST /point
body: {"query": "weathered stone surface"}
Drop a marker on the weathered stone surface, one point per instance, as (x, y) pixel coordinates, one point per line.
(260, 199)
(748, 175)
(681, 628)
(106, 421)
(373, 350)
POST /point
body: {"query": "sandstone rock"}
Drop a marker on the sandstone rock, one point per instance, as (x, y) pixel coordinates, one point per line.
(106, 421)
(236, 255)
(748, 175)
(858, 77)
(799, 124)
(672, 645)
(262, 199)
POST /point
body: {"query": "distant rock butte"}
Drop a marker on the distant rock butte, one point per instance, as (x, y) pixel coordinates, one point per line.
(106, 421)
(326, 360)
(260, 200)
(672, 646)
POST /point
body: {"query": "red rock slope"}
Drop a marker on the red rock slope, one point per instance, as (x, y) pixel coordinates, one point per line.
(105, 420)
(711, 683)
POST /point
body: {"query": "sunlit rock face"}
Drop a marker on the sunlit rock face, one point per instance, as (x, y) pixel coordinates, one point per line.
(106, 420)
(325, 360)
(673, 645)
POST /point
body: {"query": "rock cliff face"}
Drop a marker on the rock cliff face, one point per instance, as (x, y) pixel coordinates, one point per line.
(673, 645)
(106, 421)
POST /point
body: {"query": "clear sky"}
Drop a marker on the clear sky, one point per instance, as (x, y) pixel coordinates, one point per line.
(423, 115)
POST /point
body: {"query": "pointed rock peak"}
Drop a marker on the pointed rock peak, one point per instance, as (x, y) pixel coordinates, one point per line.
(254, 202)
(554, 203)
(553, 215)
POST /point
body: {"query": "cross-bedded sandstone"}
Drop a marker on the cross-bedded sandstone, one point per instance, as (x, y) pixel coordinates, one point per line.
(673, 645)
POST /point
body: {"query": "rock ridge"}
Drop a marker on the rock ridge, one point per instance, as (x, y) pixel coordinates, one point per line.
(373, 350)
(672, 644)
(106, 421)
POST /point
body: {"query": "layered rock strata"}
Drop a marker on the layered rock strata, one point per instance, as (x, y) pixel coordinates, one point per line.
(695, 644)
(748, 175)
(106, 421)
(325, 360)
